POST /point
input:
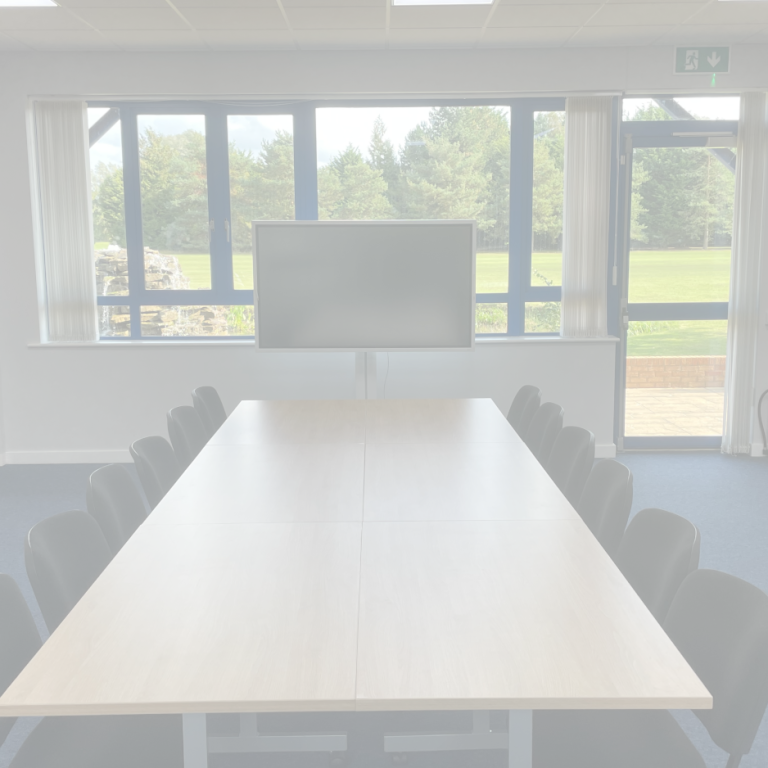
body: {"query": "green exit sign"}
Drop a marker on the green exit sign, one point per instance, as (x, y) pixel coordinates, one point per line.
(704, 60)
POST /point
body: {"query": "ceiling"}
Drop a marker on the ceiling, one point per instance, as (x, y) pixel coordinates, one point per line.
(169, 25)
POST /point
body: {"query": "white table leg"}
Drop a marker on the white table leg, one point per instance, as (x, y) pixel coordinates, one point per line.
(520, 738)
(195, 741)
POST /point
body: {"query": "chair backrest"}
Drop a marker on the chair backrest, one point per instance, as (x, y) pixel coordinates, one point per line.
(19, 640)
(606, 501)
(64, 555)
(523, 408)
(571, 461)
(114, 502)
(187, 433)
(543, 431)
(157, 467)
(720, 625)
(209, 407)
(658, 550)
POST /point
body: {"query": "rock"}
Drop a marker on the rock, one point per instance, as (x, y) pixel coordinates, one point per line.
(161, 272)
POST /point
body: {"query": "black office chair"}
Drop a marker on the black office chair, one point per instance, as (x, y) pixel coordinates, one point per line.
(64, 554)
(157, 467)
(656, 553)
(606, 501)
(720, 625)
(523, 408)
(571, 461)
(187, 433)
(77, 742)
(209, 407)
(543, 431)
(114, 502)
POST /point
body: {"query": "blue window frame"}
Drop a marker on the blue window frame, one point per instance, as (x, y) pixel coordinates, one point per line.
(222, 291)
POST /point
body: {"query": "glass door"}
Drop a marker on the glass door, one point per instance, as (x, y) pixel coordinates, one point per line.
(679, 189)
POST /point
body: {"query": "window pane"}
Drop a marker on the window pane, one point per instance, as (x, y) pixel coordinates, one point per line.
(548, 175)
(675, 376)
(197, 321)
(174, 193)
(681, 221)
(108, 203)
(114, 321)
(542, 317)
(683, 108)
(261, 185)
(421, 163)
(491, 318)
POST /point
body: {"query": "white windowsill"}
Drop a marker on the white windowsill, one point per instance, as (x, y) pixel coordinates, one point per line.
(144, 343)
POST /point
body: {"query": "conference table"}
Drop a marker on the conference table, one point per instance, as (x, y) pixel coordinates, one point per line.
(358, 555)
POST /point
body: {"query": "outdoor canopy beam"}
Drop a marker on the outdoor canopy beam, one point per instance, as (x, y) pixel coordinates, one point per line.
(102, 125)
(673, 109)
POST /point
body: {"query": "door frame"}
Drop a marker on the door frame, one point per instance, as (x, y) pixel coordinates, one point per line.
(638, 135)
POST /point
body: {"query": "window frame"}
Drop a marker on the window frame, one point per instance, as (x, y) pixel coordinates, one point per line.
(222, 293)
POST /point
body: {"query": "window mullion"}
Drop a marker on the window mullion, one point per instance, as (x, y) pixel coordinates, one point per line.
(305, 161)
(217, 165)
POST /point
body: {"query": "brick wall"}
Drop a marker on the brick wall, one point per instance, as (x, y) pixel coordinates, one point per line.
(676, 371)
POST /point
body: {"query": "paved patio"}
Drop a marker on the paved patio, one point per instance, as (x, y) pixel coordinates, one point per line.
(670, 412)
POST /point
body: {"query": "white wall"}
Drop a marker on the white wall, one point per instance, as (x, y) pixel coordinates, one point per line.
(80, 404)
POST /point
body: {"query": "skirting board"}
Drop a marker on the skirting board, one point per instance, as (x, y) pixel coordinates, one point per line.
(115, 456)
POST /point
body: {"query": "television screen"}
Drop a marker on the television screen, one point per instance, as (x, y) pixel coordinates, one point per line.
(364, 285)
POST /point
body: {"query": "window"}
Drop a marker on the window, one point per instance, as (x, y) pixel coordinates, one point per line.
(177, 185)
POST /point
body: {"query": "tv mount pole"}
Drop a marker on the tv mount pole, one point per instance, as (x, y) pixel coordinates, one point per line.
(365, 375)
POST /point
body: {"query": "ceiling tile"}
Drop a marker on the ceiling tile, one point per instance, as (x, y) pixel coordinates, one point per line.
(77, 4)
(340, 39)
(248, 39)
(708, 34)
(758, 38)
(525, 37)
(132, 18)
(11, 44)
(326, 3)
(152, 40)
(64, 40)
(542, 15)
(422, 17)
(39, 18)
(182, 5)
(433, 38)
(336, 18)
(619, 36)
(732, 13)
(235, 18)
(649, 14)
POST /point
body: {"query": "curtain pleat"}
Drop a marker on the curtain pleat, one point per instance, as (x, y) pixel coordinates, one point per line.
(586, 216)
(747, 251)
(67, 225)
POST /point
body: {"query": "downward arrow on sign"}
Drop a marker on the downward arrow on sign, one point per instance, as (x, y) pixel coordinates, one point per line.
(713, 59)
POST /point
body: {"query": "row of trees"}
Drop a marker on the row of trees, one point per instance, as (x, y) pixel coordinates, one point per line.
(455, 164)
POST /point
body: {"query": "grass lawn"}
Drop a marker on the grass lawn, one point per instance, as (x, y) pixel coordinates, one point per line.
(655, 276)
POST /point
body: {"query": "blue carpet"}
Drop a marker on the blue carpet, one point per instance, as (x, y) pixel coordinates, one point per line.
(725, 497)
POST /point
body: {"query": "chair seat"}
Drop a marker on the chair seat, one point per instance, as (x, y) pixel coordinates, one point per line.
(611, 739)
(113, 741)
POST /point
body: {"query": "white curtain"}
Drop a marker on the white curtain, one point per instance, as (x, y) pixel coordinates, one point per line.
(586, 216)
(748, 249)
(64, 183)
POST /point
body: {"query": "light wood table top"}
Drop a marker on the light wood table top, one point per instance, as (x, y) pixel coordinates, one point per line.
(284, 482)
(208, 618)
(536, 608)
(267, 422)
(459, 481)
(365, 555)
(436, 421)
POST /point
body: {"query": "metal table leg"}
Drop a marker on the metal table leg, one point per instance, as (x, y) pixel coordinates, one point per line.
(195, 741)
(520, 738)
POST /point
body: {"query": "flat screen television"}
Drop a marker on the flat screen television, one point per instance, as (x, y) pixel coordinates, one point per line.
(364, 285)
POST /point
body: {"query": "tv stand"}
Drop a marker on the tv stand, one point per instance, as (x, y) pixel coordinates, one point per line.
(365, 375)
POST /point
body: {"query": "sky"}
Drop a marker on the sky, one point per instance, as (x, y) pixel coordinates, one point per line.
(337, 127)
